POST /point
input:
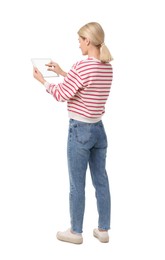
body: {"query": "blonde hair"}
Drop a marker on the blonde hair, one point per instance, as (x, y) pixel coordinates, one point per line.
(94, 32)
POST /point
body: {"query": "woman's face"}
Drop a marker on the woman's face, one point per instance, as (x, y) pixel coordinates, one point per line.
(83, 45)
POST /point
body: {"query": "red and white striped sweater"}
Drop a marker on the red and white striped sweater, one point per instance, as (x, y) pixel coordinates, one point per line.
(85, 88)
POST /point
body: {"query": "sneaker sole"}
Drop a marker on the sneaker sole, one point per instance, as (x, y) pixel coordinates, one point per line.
(101, 239)
(70, 240)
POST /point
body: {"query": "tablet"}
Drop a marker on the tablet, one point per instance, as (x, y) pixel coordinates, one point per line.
(39, 63)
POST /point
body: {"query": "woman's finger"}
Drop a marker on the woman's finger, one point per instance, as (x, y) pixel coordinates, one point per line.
(49, 65)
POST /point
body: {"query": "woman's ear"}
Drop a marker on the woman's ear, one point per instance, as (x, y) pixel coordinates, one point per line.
(87, 41)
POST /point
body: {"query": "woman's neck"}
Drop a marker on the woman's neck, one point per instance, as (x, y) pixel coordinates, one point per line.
(94, 52)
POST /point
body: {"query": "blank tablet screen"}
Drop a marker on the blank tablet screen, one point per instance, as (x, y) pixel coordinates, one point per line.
(39, 63)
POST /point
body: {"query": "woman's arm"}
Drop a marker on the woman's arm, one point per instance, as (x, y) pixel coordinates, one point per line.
(61, 91)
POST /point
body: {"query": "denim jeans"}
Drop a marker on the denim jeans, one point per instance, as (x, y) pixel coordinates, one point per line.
(87, 145)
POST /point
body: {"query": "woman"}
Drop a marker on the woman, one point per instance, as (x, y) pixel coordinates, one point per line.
(86, 89)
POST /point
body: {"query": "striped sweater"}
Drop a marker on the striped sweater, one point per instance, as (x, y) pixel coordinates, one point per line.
(85, 88)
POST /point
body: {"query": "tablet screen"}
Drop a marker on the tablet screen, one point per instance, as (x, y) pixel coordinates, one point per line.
(39, 63)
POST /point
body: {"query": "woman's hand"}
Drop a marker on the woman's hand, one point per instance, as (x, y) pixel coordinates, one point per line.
(38, 75)
(53, 66)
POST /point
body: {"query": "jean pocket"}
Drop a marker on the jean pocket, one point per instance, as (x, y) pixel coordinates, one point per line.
(83, 133)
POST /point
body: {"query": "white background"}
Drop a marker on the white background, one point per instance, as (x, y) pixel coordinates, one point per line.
(33, 131)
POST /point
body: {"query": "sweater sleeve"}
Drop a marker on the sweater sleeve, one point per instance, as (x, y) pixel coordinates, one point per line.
(66, 90)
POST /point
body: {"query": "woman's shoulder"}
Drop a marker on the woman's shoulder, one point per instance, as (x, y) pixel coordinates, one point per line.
(81, 63)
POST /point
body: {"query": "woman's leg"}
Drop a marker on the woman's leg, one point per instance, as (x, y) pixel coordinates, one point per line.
(97, 163)
(78, 158)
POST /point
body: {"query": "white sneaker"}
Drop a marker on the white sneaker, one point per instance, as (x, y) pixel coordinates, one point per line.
(101, 235)
(68, 236)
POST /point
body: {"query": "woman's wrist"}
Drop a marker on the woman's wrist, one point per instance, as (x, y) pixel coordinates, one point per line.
(43, 81)
(63, 73)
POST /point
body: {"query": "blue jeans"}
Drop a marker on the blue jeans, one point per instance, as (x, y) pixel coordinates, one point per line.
(87, 144)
